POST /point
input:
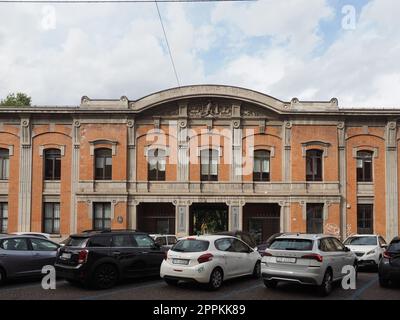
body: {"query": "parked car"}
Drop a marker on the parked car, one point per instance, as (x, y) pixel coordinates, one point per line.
(262, 246)
(25, 256)
(165, 240)
(209, 259)
(307, 259)
(244, 236)
(389, 266)
(100, 259)
(369, 248)
(35, 234)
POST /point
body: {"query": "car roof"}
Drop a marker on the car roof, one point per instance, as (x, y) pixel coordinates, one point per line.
(208, 237)
(91, 233)
(364, 235)
(305, 236)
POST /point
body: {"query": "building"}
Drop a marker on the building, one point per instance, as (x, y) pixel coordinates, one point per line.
(200, 159)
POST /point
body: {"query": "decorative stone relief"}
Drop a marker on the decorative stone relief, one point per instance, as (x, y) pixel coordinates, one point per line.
(209, 109)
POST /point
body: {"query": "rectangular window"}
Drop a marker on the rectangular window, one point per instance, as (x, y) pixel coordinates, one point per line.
(209, 165)
(4, 164)
(101, 215)
(51, 217)
(315, 217)
(314, 165)
(3, 217)
(365, 221)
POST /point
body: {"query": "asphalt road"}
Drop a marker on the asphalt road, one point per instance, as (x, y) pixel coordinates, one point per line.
(238, 289)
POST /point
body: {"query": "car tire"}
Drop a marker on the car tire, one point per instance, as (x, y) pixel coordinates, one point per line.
(105, 276)
(325, 288)
(171, 282)
(257, 270)
(384, 283)
(216, 279)
(270, 284)
(2, 276)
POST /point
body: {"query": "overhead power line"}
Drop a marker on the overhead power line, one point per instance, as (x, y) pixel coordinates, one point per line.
(115, 1)
(169, 48)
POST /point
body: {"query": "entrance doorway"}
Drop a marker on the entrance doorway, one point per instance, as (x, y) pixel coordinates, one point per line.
(262, 220)
(207, 218)
(156, 218)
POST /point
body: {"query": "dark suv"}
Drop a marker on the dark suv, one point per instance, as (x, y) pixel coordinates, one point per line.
(100, 258)
(389, 266)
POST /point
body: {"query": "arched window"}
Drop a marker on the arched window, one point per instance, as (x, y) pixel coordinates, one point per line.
(103, 164)
(314, 165)
(261, 165)
(4, 164)
(156, 165)
(364, 166)
(52, 164)
(209, 165)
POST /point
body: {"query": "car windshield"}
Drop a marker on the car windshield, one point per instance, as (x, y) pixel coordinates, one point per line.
(292, 244)
(361, 241)
(191, 245)
(76, 242)
(394, 247)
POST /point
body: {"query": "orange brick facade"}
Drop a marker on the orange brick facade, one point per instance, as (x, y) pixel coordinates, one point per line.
(233, 121)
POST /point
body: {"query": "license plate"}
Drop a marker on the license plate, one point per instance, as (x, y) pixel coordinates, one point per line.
(285, 260)
(180, 261)
(66, 256)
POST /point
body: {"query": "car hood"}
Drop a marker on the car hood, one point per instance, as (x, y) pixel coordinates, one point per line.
(361, 248)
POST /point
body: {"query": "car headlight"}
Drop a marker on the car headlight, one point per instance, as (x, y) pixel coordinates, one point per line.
(371, 252)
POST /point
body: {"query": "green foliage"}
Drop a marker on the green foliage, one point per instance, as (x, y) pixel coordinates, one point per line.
(17, 100)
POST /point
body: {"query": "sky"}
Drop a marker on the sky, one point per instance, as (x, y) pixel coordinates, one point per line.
(309, 49)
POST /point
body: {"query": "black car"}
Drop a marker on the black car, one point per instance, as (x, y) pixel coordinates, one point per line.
(100, 259)
(389, 266)
(262, 246)
(244, 236)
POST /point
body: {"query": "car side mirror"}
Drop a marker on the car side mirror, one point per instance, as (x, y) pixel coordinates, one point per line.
(156, 245)
(346, 249)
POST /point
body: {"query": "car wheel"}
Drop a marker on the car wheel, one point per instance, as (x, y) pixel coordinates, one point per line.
(2, 276)
(271, 284)
(384, 283)
(326, 287)
(257, 270)
(105, 276)
(171, 282)
(216, 279)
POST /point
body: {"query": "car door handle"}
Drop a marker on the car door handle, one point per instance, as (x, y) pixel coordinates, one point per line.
(116, 253)
(143, 252)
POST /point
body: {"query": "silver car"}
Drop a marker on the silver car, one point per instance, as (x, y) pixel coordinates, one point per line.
(308, 259)
(25, 256)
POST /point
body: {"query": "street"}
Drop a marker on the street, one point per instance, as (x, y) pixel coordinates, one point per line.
(239, 289)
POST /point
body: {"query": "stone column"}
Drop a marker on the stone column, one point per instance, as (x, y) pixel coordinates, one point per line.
(75, 174)
(182, 217)
(237, 152)
(25, 176)
(132, 214)
(235, 214)
(131, 160)
(285, 216)
(182, 144)
(286, 160)
(392, 218)
(341, 130)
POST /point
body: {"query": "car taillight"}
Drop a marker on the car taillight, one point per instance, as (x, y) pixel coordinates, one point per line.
(205, 258)
(387, 255)
(313, 256)
(82, 257)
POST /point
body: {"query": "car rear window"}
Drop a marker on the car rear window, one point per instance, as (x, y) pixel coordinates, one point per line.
(191, 245)
(394, 247)
(76, 242)
(292, 244)
(361, 241)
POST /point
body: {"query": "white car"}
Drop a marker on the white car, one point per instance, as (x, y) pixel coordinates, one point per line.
(165, 240)
(209, 260)
(369, 248)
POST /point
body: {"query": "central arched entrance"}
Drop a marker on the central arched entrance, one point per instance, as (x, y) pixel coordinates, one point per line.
(208, 218)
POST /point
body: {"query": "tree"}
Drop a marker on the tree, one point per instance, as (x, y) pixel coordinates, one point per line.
(16, 100)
